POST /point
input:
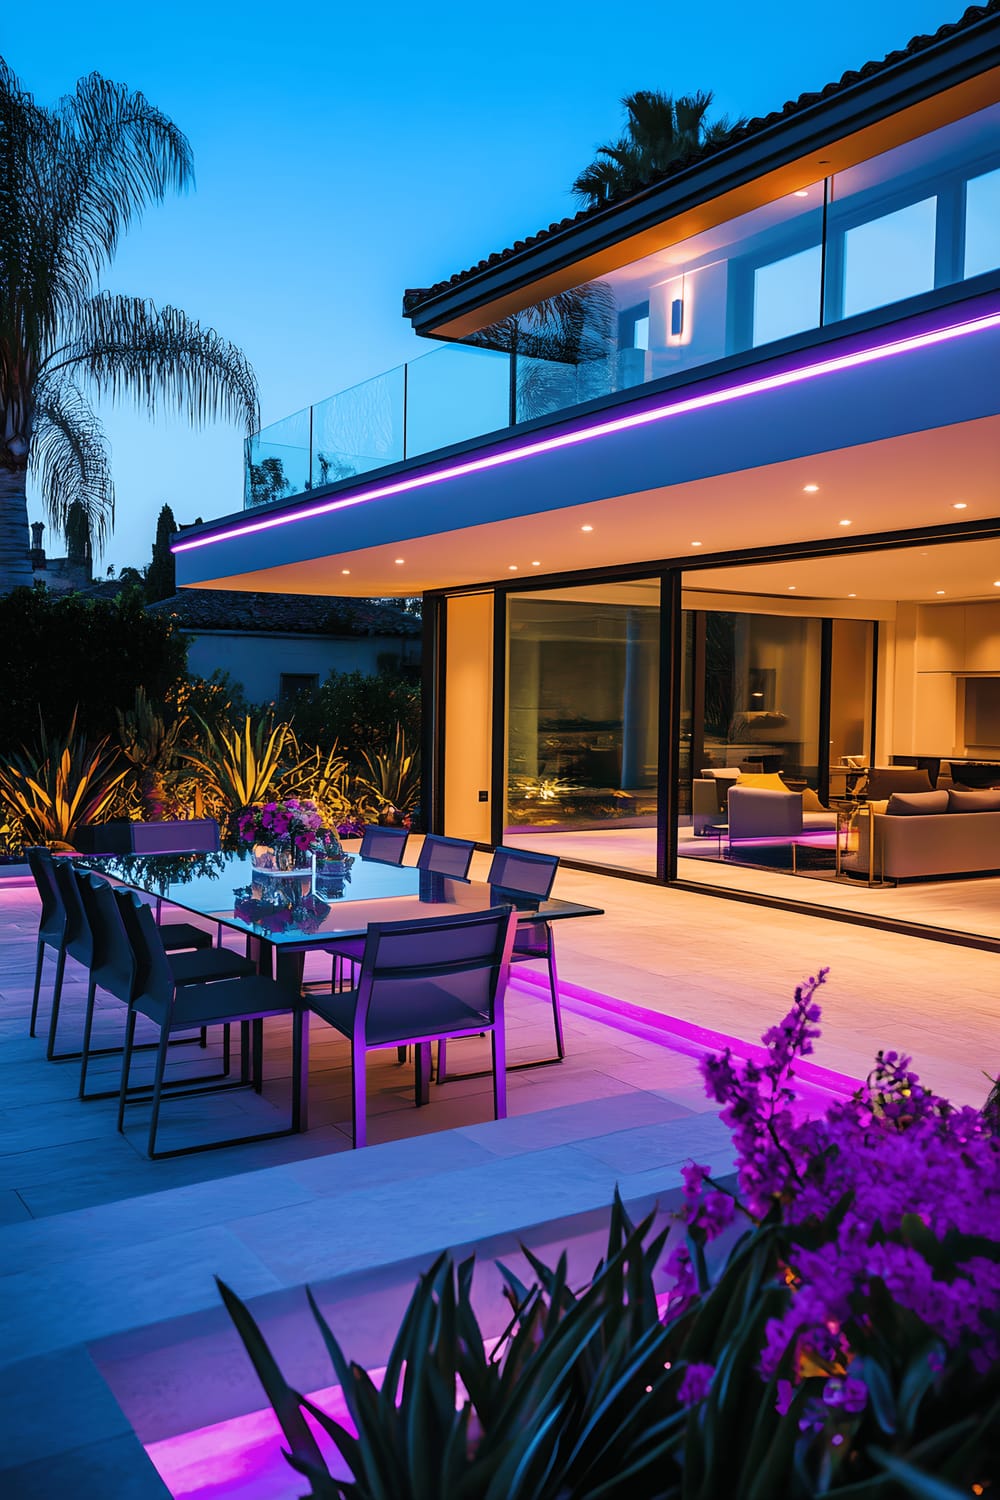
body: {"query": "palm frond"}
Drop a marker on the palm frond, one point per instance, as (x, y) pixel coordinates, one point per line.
(162, 356)
(70, 461)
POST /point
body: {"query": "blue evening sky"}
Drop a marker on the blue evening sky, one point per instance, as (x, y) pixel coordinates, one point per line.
(344, 152)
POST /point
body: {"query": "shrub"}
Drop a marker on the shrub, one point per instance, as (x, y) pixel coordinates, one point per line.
(63, 651)
(848, 1343)
(360, 712)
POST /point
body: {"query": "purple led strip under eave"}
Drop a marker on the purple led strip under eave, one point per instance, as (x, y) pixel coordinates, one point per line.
(763, 383)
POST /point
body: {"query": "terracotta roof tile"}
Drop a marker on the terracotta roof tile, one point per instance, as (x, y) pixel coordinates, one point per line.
(414, 296)
(300, 614)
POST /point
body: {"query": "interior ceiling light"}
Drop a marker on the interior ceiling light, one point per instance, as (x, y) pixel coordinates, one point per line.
(960, 505)
(996, 583)
(398, 561)
(536, 565)
(696, 544)
(512, 567)
(346, 572)
(792, 587)
(810, 489)
(845, 523)
(852, 596)
(802, 193)
(940, 591)
(586, 528)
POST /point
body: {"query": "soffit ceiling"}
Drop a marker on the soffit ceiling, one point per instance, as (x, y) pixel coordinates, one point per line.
(906, 482)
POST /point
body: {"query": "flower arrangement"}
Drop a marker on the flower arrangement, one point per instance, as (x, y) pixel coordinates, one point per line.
(293, 827)
(845, 1341)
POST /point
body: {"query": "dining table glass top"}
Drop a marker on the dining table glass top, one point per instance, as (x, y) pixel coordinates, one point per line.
(329, 900)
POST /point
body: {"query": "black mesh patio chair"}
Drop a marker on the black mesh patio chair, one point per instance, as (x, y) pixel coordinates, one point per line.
(173, 1007)
(78, 943)
(420, 982)
(51, 924)
(384, 844)
(110, 915)
(521, 874)
(445, 856)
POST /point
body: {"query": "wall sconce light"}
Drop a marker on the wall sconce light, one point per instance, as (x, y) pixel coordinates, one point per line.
(677, 317)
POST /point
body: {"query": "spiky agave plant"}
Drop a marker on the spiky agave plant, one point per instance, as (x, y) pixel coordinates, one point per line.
(151, 746)
(60, 785)
(321, 776)
(393, 778)
(242, 762)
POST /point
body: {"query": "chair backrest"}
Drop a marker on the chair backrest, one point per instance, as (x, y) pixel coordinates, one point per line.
(522, 872)
(155, 985)
(884, 780)
(384, 844)
(759, 813)
(430, 974)
(176, 836)
(115, 966)
(52, 922)
(446, 856)
(79, 938)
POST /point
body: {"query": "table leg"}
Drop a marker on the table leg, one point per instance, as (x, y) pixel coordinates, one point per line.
(423, 1067)
(289, 969)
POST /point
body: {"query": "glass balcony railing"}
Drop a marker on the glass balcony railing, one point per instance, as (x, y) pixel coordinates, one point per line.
(922, 216)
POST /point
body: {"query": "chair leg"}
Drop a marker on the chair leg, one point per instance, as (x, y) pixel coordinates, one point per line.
(244, 1051)
(554, 987)
(298, 1069)
(422, 1052)
(161, 1063)
(39, 962)
(56, 1000)
(499, 1074)
(88, 1026)
(442, 1067)
(227, 1049)
(126, 1067)
(358, 1061)
(401, 1055)
(258, 1055)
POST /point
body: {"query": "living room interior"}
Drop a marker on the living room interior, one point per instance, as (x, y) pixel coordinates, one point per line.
(812, 691)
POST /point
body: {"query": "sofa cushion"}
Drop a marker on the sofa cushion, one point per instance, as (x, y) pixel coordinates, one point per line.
(960, 800)
(811, 802)
(916, 804)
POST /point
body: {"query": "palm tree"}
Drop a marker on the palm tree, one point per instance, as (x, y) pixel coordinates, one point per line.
(659, 131)
(73, 180)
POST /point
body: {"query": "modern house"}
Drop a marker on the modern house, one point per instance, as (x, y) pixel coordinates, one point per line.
(704, 479)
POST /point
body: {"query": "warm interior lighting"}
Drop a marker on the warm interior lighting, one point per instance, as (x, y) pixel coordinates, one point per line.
(792, 587)
(845, 523)
(852, 596)
(940, 591)
(696, 544)
(810, 489)
(801, 193)
(536, 565)
(996, 583)
(960, 505)
(398, 561)
(346, 572)
(512, 567)
(586, 528)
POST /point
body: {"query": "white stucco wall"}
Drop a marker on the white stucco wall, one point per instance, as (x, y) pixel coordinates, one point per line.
(258, 661)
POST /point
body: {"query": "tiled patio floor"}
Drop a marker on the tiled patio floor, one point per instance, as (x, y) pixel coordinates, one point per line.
(106, 1259)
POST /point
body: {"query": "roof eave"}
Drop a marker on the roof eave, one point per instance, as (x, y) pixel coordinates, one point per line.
(894, 87)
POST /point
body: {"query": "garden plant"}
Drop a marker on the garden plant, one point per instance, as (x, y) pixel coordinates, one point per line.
(847, 1343)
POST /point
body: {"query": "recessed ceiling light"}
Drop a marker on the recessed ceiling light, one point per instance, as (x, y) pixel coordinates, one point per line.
(996, 583)
(696, 544)
(852, 596)
(586, 528)
(960, 505)
(536, 565)
(940, 591)
(792, 587)
(399, 560)
(345, 571)
(810, 489)
(802, 193)
(512, 567)
(845, 523)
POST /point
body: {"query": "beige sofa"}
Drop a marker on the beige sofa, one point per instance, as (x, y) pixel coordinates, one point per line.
(914, 844)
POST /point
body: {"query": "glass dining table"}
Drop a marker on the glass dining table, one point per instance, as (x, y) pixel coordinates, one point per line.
(284, 916)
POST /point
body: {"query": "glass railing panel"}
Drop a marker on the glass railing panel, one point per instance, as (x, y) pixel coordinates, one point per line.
(454, 393)
(278, 460)
(359, 429)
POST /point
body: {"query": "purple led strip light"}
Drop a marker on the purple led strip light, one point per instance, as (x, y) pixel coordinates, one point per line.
(615, 424)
